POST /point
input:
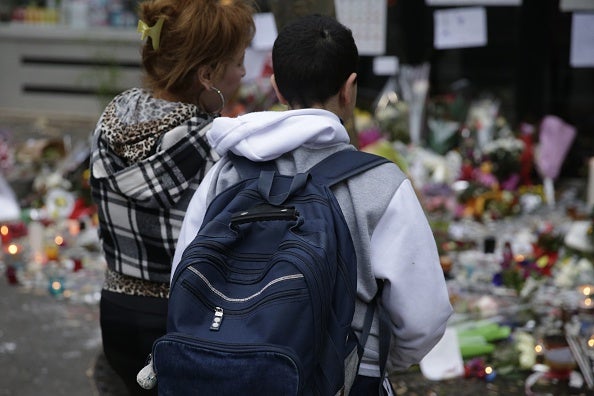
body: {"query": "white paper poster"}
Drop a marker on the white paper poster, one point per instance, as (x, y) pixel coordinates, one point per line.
(367, 20)
(460, 28)
(582, 40)
(385, 65)
(255, 62)
(265, 31)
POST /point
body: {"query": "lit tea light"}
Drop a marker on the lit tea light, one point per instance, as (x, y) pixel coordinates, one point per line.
(586, 290)
(56, 286)
(586, 303)
(6, 234)
(489, 373)
(59, 240)
(13, 256)
(12, 249)
(538, 349)
(591, 342)
(14, 252)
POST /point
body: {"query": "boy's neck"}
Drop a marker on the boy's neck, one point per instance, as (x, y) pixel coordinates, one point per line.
(331, 105)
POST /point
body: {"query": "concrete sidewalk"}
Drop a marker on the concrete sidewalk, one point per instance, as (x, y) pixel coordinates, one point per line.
(51, 347)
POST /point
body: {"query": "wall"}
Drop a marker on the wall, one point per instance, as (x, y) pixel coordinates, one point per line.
(58, 70)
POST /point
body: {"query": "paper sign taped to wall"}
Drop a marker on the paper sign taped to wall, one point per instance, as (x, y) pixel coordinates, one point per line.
(368, 22)
(460, 27)
(582, 40)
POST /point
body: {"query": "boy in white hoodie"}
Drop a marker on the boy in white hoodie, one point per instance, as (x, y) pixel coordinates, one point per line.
(315, 62)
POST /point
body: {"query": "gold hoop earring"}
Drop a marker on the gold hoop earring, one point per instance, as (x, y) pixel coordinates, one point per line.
(218, 91)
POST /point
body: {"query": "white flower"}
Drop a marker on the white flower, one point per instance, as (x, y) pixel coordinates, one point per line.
(509, 144)
(525, 346)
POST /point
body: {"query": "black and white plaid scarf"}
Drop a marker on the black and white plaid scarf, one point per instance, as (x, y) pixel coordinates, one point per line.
(148, 157)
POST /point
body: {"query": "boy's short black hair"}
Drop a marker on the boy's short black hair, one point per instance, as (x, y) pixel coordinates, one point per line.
(312, 57)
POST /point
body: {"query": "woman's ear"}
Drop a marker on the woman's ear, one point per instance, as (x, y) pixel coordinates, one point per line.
(280, 97)
(205, 77)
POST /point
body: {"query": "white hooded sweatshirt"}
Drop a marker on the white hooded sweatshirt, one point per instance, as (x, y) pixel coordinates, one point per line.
(392, 238)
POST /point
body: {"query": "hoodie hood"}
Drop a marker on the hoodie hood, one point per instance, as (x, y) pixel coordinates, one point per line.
(264, 136)
(135, 121)
(140, 141)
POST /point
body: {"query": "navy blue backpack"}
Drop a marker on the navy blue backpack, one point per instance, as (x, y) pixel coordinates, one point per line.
(262, 300)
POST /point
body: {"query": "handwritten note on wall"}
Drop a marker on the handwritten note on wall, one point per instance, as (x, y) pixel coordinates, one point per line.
(460, 27)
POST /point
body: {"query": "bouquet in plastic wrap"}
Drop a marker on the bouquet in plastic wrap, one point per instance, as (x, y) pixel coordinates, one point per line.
(555, 139)
(414, 81)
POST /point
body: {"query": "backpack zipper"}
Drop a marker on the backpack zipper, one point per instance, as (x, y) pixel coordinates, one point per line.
(218, 312)
(204, 300)
(245, 299)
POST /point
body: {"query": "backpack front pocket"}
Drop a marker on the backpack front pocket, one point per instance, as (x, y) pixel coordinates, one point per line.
(183, 362)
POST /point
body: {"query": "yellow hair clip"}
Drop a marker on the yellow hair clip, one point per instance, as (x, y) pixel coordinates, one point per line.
(154, 32)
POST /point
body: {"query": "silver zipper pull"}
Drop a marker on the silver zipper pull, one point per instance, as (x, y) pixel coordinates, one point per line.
(217, 319)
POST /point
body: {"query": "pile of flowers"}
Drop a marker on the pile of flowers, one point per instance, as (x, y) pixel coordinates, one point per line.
(515, 270)
(475, 165)
(50, 242)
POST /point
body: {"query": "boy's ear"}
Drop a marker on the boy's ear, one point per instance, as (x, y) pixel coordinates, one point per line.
(348, 92)
(280, 97)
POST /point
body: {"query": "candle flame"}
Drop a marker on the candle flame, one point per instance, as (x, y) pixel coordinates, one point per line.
(13, 249)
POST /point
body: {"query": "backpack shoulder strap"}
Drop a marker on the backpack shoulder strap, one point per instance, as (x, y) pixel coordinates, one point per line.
(249, 169)
(331, 170)
(344, 164)
(384, 332)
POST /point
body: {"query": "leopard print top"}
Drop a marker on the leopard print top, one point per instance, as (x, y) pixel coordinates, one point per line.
(133, 135)
(119, 283)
